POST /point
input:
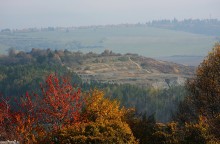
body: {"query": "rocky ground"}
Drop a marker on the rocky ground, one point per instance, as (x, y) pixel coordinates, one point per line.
(133, 69)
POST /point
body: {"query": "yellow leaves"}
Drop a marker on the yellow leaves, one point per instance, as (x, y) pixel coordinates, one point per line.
(33, 139)
(114, 131)
(103, 108)
(25, 125)
(104, 123)
(198, 132)
(172, 126)
(205, 89)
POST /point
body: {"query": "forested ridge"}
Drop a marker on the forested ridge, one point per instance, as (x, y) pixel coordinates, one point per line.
(21, 72)
(42, 101)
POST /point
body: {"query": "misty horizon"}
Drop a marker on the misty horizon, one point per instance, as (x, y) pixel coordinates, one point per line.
(103, 25)
(67, 13)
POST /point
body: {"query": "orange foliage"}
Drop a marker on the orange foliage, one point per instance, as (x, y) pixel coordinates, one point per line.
(37, 116)
(4, 109)
(104, 123)
(205, 89)
(4, 118)
(25, 120)
(99, 108)
(61, 104)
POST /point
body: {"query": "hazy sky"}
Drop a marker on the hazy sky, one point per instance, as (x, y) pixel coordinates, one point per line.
(44, 13)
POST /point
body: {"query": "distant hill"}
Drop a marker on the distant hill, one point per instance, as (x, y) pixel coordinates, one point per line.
(142, 39)
(108, 66)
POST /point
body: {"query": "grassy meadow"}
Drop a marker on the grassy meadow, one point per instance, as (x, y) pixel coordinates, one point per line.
(140, 39)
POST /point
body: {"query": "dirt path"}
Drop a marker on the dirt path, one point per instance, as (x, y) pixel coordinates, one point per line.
(138, 66)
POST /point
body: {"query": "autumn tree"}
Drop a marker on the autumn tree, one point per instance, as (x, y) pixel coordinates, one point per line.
(104, 123)
(38, 115)
(4, 109)
(61, 103)
(204, 97)
(4, 118)
(205, 87)
(25, 121)
(196, 132)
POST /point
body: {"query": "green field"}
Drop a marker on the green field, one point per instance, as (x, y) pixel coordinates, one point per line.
(143, 40)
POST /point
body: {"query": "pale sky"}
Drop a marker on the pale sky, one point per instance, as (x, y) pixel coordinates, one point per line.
(43, 13)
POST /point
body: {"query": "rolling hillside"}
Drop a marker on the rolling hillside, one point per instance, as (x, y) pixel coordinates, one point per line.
(132, 69)
(140, 39)
(108, 67)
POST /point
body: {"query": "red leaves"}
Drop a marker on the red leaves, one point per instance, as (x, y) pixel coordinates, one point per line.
(58, 105)
(5, 119)
(4, 109)
(61, 103)
(24, 120)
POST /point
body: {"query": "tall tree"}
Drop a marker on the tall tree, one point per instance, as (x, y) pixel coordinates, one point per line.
(205, 87)
(61, 102)
(203, 100)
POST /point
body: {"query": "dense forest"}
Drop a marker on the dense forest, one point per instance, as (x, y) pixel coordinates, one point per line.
(42, 101)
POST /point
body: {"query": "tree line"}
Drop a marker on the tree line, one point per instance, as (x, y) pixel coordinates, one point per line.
(198, 26)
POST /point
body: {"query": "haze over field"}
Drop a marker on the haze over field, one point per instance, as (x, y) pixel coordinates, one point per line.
(124, 26)
(110, 71)
(142, 40)
(44, 13)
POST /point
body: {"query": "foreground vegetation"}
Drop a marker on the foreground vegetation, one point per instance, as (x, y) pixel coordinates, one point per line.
(62, 113)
